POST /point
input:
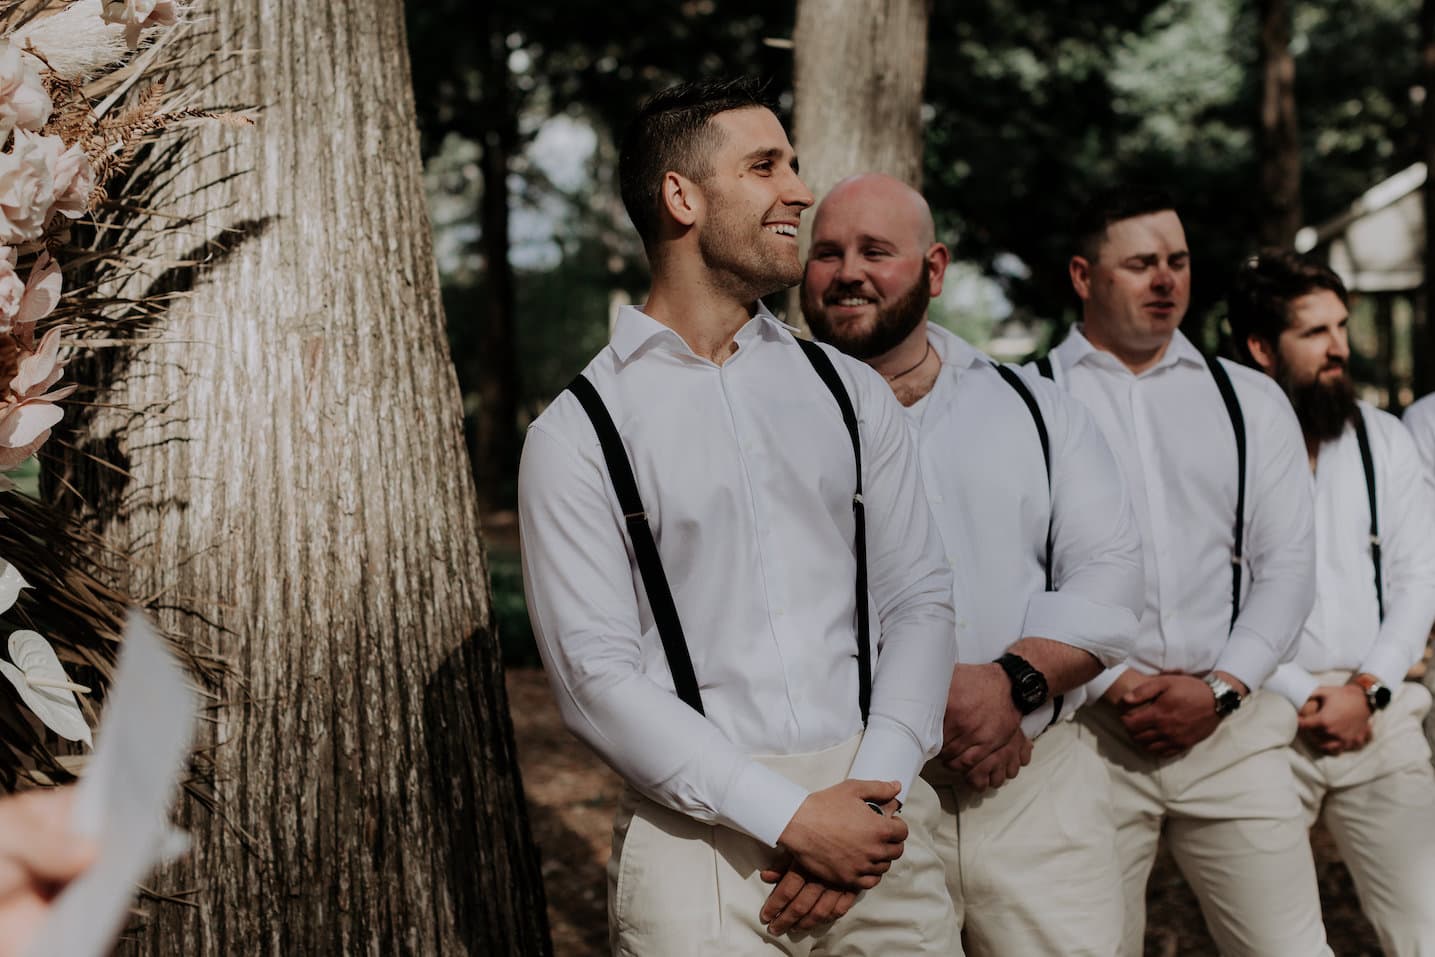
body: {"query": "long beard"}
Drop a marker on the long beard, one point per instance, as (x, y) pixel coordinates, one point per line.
(1322, 408)
(894, 322)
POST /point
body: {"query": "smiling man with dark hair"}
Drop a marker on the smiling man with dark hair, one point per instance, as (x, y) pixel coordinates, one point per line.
(734, 580)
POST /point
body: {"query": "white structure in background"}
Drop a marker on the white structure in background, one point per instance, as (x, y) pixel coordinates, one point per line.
(1378, 244)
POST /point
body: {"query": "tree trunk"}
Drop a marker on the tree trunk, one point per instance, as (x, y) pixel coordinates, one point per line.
(858, 72)
(495, 448)
(1279, 130)
(298, 499)
(1423, 334)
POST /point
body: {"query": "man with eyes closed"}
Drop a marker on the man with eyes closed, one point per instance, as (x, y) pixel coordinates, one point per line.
(1216, 464)
(1048, 582)
(735, 582)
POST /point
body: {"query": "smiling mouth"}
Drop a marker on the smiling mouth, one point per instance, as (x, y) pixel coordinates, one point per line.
(782, 229)
(851, 302)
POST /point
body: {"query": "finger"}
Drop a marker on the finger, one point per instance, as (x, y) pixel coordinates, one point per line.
(782, 895)
(796, 910)
(845, 900)
(34, 836)
(769, 876)
(823, 911)
(868, 881)
(1148, 690)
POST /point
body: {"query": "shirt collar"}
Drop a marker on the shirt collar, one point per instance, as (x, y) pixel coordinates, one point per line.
(1076, 349)
(634, 329)
(953, 350)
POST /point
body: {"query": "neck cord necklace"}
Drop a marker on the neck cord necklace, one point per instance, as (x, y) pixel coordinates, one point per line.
(896, 376)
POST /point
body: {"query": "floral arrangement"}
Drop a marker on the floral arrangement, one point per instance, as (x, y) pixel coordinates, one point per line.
(63, 151)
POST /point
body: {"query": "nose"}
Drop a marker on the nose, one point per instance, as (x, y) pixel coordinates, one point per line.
(795, 193)
(849, 268)
(1340, 343)
(1163, 278)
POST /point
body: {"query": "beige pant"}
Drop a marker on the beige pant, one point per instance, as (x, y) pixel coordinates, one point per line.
(1032, 866)
(680, 888)
(1234, 825)
(1379, 805)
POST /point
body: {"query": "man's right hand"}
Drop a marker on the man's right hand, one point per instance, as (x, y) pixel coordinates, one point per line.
(836, 838)
(38, 857)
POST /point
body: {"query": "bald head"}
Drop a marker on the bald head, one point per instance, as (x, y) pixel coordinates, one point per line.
(873, 267)
(885, 201)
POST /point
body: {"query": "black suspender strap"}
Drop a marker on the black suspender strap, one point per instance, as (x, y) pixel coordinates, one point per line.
(1238, 422)
(1014, 380)
(1367, 462)
(645, 550)
(828, 373)
(1043, 365)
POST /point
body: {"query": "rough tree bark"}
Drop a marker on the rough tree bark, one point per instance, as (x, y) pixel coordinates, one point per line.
(858, 71)
(1279, 130)
(298, 498)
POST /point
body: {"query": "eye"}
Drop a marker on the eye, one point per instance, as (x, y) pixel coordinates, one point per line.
(764, 166)
(874, 253)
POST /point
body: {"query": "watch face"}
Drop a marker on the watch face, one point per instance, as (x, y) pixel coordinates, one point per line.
(1228, 702)
(1032, 689)
(1382, 697)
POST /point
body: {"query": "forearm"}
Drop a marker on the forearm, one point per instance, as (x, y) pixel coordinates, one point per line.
(1065, 667)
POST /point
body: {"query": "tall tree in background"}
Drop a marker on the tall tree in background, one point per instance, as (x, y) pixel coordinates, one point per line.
(1279, 130)
(858, 71)
(295, 495)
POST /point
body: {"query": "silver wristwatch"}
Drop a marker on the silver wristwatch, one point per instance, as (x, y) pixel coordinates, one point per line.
(1228, 699)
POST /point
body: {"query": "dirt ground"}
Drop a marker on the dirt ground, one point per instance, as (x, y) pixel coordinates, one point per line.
(571, 796)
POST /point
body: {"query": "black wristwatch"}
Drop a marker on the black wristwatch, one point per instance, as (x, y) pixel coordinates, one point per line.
(1377, 693)
(1028, 686)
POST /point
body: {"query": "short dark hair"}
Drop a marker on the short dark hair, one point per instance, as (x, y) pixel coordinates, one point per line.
(1259, 301)
(1108, 206)
(672, 132)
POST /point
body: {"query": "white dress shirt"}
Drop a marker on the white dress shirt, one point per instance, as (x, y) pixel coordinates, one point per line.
(747, 476)
(1419, 418)
(986, 482)
(1175, 444)
(1344, 631)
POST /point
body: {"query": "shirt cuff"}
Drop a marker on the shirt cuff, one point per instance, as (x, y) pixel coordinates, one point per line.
(760, 803)
(1106, 631)
(1293, 683)
(887, 753)
(1246, 657)
(1032, 725)
(1099, 685)
(1387, 664)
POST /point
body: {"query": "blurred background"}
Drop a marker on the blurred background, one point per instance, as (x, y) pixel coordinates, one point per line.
(1272, 122)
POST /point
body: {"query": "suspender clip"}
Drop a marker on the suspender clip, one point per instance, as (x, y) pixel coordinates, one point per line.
(857, 498)
(1375, 540)
(635, 516)
(1237, 559)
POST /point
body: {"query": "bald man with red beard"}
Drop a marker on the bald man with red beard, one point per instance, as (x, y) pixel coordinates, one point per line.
(1047, 582)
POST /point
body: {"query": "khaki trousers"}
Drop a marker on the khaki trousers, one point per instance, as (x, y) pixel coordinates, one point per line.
(680, 888)
(1234, 825)
(1379, 805)
(1032, 866)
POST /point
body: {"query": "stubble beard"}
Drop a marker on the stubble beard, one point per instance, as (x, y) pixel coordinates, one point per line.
(748, 267)
(893, 324)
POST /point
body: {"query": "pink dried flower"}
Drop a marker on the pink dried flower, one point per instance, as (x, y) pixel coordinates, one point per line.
(27, 186)
(42, 295)
(12, 289)
(138, 14)
(23, 100)
(74, 179)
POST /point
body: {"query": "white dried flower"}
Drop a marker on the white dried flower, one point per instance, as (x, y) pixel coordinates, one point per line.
(23, 100)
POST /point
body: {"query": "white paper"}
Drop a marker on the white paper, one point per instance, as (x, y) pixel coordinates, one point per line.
(123, 800)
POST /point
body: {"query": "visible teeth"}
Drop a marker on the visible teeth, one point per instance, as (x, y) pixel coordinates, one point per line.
(783, 229)
(854, 301)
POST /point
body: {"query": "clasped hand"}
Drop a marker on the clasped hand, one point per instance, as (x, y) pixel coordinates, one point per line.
(1165, 714)
(981, 729)
(1336, 719)
(836, 846)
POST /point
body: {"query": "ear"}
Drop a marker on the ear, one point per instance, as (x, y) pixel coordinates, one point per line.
(1263, 352)
(1079, 269)
(681, 198)
(938, 257)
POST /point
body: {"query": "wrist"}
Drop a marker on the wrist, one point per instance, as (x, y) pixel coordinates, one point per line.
(1377, 694)
(1226, 697)
(1029, 689)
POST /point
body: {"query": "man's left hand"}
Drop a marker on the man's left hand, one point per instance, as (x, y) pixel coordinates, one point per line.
(801, 902)
(1169, 714)
(980, 718)
(1339, 720)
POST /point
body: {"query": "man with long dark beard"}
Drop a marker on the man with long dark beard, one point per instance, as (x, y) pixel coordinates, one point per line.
(1361, 761)
(1048, 582)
